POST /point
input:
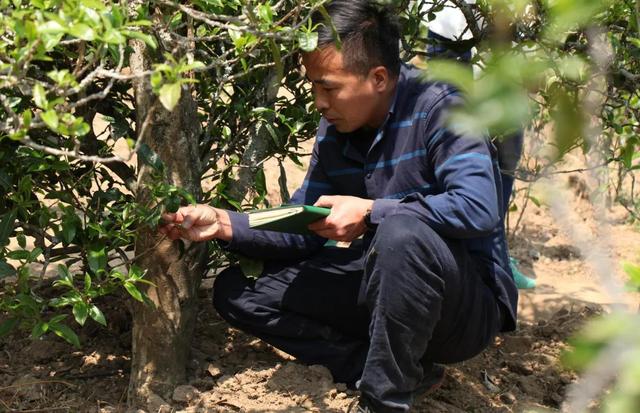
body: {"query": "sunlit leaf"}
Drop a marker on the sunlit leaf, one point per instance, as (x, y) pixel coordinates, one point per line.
(133, 291)
(80, 312)
(39, 329)
(97, 259)
(50, 118)
(169, 95)
(96, 314)
(308, 41)
(39, 96)
(82, 31)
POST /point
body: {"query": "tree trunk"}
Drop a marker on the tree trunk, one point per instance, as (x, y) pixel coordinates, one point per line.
(258, 146)
(162, 335)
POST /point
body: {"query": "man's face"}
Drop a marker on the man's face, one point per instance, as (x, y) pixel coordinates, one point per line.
(347, 100)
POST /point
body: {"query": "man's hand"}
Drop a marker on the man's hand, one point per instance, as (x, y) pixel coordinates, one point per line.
(197, 223)
(346, 221)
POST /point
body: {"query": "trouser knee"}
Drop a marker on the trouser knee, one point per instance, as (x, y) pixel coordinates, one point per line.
(405, 237)
(404, 251)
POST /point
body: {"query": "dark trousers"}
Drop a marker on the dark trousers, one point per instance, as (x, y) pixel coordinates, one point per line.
(413, 299)
(509, 152)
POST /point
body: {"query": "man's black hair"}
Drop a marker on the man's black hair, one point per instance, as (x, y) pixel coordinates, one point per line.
(368, 33)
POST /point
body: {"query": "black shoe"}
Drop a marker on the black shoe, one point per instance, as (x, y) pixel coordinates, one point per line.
(433, 378)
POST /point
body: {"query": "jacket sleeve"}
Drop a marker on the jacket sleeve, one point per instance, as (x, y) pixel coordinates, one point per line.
(278, 245)
(465, 203)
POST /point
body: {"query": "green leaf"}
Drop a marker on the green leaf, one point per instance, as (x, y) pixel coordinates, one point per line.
(282, 183)
(147, 39)
(80, 312)
(50, 27)
(6, 270)
(8, 325)
(96, 315)
(172, 203)
(114, 37)
(133, 291)
(135, 273)
(251, 268)
(97, 259)
(451, 72)
(68, 231)
(87, 282)
(265, 13)
(66, 333)
(57, 319)
(27, 117)
(633, 271)
(39, 329)
(82, 31)
(22, 240)
(35, 253)
(22, 255)
(6, 226)
(149, 157)
(169, 95)
(64, 273)
(50, 118)
(40, 96)
(260, 183)
(5, 181)
(535, 201)
(308, 41)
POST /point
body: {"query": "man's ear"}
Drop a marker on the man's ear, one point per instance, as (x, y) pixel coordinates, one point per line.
(380, 77)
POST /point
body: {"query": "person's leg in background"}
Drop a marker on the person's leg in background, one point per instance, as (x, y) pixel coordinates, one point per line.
(509, 152)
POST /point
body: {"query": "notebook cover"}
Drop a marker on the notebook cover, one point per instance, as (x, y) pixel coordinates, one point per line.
(294, 224)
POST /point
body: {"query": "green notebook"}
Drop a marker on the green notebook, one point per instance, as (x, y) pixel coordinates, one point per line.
(287, 218)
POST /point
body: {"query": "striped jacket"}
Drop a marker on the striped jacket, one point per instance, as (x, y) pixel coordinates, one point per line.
(417, 166)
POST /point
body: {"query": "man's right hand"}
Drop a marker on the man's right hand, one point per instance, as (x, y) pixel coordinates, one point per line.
(197, 223)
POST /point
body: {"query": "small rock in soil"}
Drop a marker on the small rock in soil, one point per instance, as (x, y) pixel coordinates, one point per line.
(529, 386)
(516, 344)
(507, 398)
(519, 367)
(185, 394)
(156, 403)
(190, 409)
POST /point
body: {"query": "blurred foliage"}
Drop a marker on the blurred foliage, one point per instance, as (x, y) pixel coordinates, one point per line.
(571, 67)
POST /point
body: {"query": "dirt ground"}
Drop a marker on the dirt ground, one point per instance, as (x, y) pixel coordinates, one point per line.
(232, 372)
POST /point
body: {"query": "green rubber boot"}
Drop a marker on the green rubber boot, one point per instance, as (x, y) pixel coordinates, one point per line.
(522, 281)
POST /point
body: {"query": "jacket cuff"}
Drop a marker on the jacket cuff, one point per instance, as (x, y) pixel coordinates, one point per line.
(240, 229)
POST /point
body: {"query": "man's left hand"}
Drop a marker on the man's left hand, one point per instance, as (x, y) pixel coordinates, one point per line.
(346, 221)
